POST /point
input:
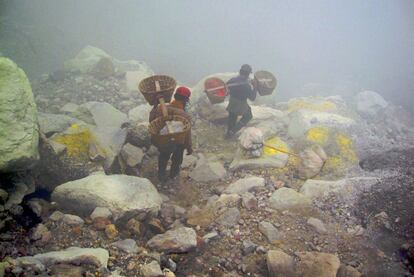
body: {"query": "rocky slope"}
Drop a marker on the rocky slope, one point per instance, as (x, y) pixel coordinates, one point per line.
(342, 207)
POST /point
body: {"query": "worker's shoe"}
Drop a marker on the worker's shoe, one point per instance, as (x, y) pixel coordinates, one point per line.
(162, 177)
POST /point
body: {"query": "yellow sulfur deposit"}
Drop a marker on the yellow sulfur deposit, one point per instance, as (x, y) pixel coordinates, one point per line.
(277, 143)
(320, 106)
(77, 140)
(318, 135)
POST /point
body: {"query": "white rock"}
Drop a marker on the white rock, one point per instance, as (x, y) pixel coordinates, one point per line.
(311, 162)
(121, 194)
(287, 199)
(54, 123)
(101, 212)
(56, 216)
(71, 219)
(127, 245)
(132, 155)
(86, 60)
(370, 102)
(239, 162)
(139, 113)
(244, 185)
(151, 270)
(69, 108)
(302, 120)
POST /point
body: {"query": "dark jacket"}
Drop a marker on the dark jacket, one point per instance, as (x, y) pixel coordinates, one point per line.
(239, 95)
(173, 109)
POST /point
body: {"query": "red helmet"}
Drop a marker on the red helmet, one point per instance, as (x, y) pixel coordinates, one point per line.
(183, 91)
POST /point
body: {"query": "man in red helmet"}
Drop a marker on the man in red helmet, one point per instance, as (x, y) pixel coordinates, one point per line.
(172, 149)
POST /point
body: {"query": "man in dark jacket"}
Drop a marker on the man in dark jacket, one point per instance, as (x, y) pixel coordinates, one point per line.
(173, 150)
(240, 89)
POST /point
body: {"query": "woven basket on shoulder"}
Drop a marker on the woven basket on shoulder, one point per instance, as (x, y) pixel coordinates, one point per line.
(157, 124)
(148, 88)
(266, 82)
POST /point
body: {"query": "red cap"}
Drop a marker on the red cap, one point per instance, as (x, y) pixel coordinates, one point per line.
(183, 91)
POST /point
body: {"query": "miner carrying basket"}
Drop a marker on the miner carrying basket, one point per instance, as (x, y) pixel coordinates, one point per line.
(170, 125)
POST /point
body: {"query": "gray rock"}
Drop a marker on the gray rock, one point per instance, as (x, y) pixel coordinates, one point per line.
(289, 199)
(86, 60)
(16, 196)
(370, 102)
(71, 219)
(239, 162)
(229, 218)
(248, 247)
(97, 257)
(3, 196)
(31, 263)
(121, 194)
(140, 113)
(57, 148)
(280, 264)
(317, 225)
(348, 271)
(269, 231)
(179, 240)
(19, 136)
(127, 245)
(56, 216)
(101, 212)
(132, 155)
(69, 108)
(249, 201)
(38, 232)
(189, 161)
(152, 269)
(245, 185)
(210, 236)
(208, 171)
(317, 264)
(54, 123)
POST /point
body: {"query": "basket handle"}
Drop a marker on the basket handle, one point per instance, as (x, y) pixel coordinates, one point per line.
(165, 115)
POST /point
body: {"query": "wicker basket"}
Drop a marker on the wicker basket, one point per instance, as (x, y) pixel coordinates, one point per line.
(215, 89)
(157, 124)
(158, 85)
(266, 82)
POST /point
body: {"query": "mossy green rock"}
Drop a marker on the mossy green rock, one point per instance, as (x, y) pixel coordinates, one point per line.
(19, 134)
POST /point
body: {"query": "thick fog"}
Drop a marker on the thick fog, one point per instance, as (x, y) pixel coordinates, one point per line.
(319, 47)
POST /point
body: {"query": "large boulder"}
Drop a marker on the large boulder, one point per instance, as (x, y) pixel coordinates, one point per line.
(280, 264)
(369, 102)
(301, 121)
(178, 240)
(87, 60)
(139, 113)
(55, 123)
(123, 195)
(288, 199)
(107, 129)
(19, 135)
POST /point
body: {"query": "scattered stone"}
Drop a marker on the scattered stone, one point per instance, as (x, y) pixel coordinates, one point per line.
(269, 231)
(229, 218)
(40, 232)
(139, 113)
(178, 240)
(245, 185)
(210, 236)
(248, 247)
(71, 219)
(317, 225)
(111, 231)
(280, 264)
(249, 201)
(127, 245)
(370, 102)
(288, 199)
(208, 171)
(119, 193)
(155, 226)
(54, 123)
(57, 148)
(101, 212)
(100, 223)
(151, 270)
(348, 271)
(17, 194)
(317, 264)
(189, 161)
(66, 270)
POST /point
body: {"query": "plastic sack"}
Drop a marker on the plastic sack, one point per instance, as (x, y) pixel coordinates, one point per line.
(250, 137)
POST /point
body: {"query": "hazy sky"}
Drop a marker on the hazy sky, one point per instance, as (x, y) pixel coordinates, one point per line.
(347, 45)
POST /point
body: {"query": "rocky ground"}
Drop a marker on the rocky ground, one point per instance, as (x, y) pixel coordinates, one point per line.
(345, 210)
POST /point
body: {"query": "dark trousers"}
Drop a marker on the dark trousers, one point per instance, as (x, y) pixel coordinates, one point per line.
(173, 151)
(233, 126)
